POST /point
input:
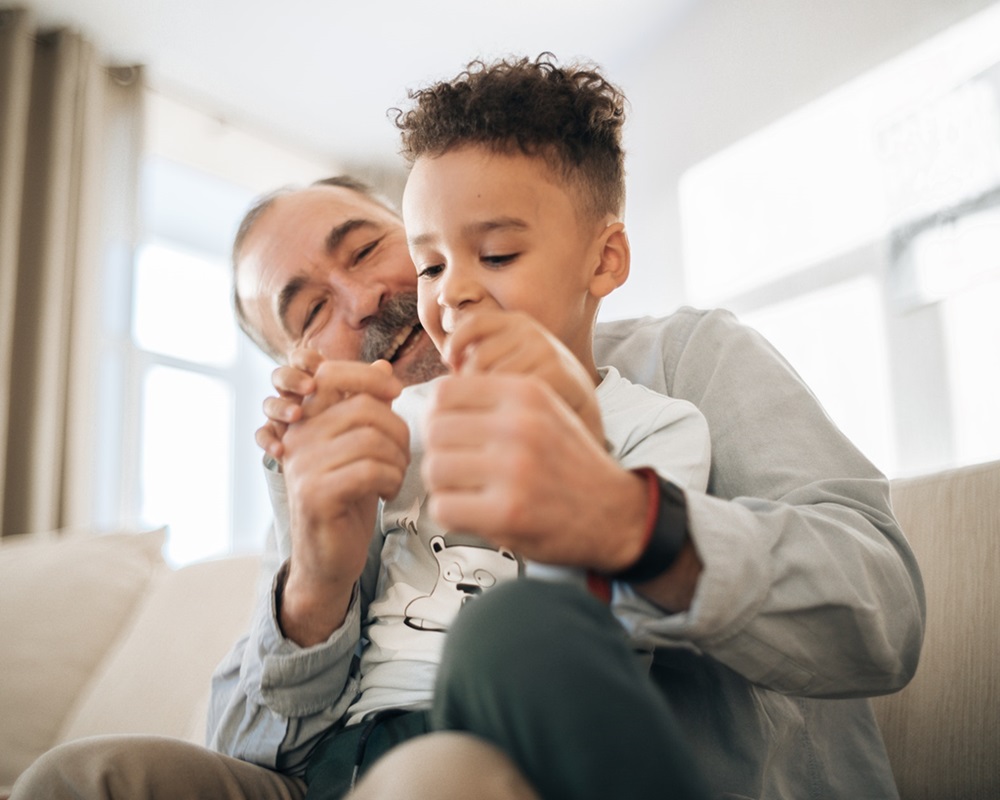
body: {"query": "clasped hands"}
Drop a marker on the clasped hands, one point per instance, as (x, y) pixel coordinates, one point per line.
(513, 453)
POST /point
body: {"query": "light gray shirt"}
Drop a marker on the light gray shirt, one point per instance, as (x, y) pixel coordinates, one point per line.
(426, 573)
(810, 598)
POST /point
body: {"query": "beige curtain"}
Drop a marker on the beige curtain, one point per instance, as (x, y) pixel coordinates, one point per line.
(69, 143)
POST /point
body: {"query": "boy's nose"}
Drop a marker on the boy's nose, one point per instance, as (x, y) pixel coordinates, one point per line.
(458, 288)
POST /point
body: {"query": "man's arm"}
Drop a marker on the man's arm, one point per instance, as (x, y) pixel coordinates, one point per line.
(797, 576)
(808, 585)
(286, 683)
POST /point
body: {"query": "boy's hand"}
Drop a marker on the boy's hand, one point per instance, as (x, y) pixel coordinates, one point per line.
(294, 382)
(307, 385)
(513, 343)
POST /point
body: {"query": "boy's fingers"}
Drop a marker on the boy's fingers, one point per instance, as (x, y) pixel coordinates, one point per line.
(305, 359)
(283, 409)
(290, 380)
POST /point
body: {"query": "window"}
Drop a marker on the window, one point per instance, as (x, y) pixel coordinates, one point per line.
(181, 386)
(861, 235)
(197, 380)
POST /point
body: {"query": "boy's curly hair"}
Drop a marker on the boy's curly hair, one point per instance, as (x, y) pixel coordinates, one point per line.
(571, 116)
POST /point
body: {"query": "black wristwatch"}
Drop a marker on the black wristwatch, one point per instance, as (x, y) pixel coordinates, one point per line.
(667, 530)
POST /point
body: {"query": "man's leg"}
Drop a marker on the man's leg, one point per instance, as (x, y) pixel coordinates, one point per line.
(545, 672)
(129, 767)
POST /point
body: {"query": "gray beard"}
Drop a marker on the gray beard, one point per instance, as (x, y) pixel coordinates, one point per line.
(399, 313)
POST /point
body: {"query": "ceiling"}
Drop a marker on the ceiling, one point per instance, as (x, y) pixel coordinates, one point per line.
(319, 75)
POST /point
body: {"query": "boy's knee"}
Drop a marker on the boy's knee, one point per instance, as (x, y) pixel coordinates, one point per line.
(444, 766)
(520, 630)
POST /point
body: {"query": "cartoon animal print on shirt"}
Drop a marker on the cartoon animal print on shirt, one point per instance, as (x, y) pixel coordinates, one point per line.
(464, 572)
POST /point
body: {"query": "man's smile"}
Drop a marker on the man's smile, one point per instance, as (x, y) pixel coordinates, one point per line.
(402, 343)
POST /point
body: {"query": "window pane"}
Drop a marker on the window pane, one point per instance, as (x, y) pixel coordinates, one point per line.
(182, 306)
(972, 329)
(955, 257)
(835, 340)
(795, 194)
(185, 441)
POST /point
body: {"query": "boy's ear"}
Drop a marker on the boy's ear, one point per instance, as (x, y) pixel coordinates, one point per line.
(615, 257)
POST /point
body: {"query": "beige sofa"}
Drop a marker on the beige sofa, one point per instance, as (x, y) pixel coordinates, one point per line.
(100, 636)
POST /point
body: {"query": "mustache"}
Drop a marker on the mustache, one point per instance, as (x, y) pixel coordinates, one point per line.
(398, 312)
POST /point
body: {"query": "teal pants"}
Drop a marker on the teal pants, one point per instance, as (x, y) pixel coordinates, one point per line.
(544, 672)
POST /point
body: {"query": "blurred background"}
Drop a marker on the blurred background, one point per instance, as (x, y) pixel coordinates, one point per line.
(829, 171)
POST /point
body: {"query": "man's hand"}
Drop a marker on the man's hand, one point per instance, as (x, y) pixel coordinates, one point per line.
(347, 449)
(508, 460)
(513, 343)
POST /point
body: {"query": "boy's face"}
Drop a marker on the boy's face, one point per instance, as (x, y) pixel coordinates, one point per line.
(489, 230)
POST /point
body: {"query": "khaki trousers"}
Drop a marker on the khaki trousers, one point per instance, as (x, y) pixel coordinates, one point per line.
(439, 766)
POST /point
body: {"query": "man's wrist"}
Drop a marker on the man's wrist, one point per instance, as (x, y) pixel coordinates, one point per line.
(666, 530)
(308, 618)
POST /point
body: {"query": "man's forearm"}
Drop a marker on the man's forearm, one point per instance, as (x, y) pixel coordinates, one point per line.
(271, 699)
(309, 612)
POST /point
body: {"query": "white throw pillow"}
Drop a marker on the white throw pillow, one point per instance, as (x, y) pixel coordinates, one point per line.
(63, 602)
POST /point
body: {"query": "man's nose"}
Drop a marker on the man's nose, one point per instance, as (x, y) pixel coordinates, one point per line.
(362, 299)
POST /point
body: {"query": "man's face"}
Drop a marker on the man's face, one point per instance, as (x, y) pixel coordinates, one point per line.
(328, 268)
(489, 230)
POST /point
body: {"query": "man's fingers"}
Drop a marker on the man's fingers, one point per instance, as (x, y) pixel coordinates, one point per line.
(355, 416)
(472, 330)
(362, 445)
(480, 392)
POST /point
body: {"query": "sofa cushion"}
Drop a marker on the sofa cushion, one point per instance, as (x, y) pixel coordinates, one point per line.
(66, 599)
(157, 678)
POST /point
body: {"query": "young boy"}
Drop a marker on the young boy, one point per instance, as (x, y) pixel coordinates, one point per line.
(513, 216)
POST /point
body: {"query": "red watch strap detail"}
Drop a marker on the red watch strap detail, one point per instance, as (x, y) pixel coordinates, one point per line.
(652, 503)
(599, 586)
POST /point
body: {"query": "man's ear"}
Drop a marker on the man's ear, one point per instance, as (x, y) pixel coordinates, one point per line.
(615, 257)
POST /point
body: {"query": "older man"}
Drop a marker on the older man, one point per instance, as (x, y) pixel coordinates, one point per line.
(795, 596)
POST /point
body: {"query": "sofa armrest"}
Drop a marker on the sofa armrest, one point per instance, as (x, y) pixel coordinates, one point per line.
(942, 731)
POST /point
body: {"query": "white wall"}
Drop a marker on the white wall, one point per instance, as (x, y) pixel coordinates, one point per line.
(726, 69)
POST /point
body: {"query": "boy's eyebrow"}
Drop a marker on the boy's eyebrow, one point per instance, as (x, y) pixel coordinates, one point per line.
(485, 226)
(334, 240)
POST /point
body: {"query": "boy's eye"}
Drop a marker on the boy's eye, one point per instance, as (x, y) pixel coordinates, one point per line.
(430, 272)
(498, 260)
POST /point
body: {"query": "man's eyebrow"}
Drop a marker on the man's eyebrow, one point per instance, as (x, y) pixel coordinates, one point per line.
(485, 226)
(334, 240)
